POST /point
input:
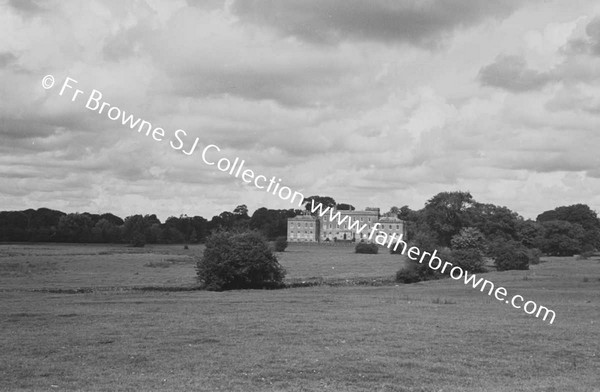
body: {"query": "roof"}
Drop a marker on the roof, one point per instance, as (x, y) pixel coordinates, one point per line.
(390, 219)
(304, 218)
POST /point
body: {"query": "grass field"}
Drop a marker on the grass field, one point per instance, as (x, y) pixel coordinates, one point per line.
(433, 336)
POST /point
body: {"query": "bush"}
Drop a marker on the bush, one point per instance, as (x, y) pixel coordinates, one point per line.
(416, 272)
(468, 259)
(280, 244)
(408, 275)
(512, 256)
(238, 261)
(362, 247)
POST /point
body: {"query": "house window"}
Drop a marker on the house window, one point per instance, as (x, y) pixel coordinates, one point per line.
(397, 226)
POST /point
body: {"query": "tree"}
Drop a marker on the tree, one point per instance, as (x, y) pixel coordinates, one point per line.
(75, 227)
(468, 238)
(529, 233)
(272, 223)
(134, 227)
(200, 225)
(280, 244)
(44, 224)
(108, 232)
(238, 261)
(448, 212)
(241, 210)
(325, 201)
(580, 214)
(469, 259)
(345, 207)
(511, 256)
(562, 238)
(494, 222)
(183, 224)
(406, 214)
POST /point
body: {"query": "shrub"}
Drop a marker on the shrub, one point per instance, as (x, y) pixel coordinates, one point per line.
(416, 272)
(362, 247)
(511, 256)
(238, 261)
(280, 244)
(468, 259)
(408, 275)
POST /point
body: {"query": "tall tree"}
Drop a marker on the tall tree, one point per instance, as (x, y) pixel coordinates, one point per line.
(325, 201)
(448, 212)
(580, 214)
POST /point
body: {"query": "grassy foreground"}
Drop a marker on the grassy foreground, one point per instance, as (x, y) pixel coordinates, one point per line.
(433, 336)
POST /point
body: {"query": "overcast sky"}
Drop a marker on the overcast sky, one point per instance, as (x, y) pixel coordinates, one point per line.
(375, 103)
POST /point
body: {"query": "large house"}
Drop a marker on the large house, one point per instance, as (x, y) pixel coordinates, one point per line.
(309, 228)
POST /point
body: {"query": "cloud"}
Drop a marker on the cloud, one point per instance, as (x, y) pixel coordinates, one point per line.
(26, 7)
(333, 97)
(7, 58)
(422, 23)
(511, 73)
(589, 44)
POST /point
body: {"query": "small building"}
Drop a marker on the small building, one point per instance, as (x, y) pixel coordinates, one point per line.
(303, 228)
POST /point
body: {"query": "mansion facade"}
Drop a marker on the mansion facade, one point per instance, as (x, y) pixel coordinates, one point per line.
(309, 228)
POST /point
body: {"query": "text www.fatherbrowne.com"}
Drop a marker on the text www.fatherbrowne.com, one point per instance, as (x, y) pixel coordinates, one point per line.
(435, 263)
(95, 103)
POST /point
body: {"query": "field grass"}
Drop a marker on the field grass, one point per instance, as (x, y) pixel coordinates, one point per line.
(432, 336)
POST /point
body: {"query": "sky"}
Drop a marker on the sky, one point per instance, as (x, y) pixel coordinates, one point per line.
(375, 103)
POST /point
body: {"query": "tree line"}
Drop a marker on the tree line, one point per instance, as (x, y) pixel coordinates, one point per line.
(47, 225)
(563, 231)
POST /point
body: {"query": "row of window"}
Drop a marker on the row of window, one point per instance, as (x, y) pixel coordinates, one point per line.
(362, 218)
(337, 226)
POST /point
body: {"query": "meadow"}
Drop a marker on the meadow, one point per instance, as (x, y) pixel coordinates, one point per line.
(106, 318)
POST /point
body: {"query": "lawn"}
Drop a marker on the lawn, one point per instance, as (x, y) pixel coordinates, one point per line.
(433, 336)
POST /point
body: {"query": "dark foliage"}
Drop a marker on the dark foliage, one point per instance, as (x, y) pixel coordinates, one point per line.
(363, 247)
(280, 244)
(238, 261)
(326, 201)
(511, 256)
(468, 259)
(138, 240)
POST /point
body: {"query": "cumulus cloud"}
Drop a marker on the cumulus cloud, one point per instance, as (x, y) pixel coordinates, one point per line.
(332, 97)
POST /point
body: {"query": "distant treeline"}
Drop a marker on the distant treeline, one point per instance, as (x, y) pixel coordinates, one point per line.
(562, 231)
(46, 225)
